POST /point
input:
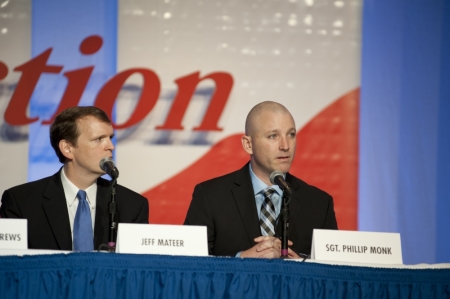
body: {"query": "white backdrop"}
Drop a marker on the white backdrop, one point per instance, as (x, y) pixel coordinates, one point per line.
(303, 54)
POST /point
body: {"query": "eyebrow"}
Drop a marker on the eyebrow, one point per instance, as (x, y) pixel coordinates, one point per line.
(277, 131)
(103, 136)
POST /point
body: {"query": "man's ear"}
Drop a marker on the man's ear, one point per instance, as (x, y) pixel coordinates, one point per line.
(247, 144)
(66, 149)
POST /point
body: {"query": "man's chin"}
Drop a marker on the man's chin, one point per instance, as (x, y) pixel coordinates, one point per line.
(283, 167)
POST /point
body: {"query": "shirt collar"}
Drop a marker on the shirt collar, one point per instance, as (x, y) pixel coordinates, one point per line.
(259, 186)
(70, 190)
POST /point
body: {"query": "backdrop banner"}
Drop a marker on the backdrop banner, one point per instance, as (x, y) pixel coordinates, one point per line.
(178, 79)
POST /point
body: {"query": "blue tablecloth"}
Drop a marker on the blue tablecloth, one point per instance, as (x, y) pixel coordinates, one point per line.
(103, 275)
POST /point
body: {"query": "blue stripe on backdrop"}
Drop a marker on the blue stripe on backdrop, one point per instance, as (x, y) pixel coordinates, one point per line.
(403, 148)
(379, 128)
(63, 25)
(443, 180)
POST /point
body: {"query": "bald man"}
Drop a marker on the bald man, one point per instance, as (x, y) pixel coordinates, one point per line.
(240, 209)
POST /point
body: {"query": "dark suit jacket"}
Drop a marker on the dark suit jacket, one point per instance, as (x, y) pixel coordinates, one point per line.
(226, 206)
(43, 203)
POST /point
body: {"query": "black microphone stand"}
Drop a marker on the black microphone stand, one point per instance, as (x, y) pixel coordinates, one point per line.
(112, 208)
(284, 217)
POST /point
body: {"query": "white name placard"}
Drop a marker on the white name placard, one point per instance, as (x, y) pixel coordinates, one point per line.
(356, 246)
(13, 234)
(162, 239)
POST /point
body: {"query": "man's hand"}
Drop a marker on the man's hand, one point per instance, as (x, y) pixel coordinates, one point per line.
(267, 247)
(292, 254)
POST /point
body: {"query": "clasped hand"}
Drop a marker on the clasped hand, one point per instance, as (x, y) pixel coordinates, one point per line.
(268, 247)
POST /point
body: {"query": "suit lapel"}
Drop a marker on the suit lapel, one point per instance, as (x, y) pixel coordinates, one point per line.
(245, 201)
(56, 211)
(101, 227)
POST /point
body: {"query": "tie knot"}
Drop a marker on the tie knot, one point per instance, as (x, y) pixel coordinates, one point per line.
(81, 195)
(268, 192)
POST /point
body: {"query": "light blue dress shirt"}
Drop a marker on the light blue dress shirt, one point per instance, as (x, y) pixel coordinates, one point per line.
(258, 190)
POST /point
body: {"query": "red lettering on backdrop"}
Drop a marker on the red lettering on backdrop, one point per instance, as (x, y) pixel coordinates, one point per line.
(147, 100)
(15, 113)
(78, 79)
(3, 70)
(91, 44)
(186, 89)
(224, 83)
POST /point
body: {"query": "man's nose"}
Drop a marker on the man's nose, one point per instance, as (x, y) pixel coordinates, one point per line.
(110, 145)
(284, 144)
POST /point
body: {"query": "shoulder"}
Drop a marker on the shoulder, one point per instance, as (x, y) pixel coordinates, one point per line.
(304, 188)
(224, 181)
(25, 199)
(31, 187)
(122, 191)
(130, 193)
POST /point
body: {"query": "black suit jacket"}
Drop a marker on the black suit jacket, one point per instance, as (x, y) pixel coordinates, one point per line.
(43, 203)
(226, 206)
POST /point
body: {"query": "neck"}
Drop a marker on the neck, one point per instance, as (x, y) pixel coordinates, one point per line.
(81, 180)
(261, 174)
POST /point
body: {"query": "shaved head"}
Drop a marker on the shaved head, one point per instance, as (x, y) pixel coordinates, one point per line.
(254, 116)
(270, 139)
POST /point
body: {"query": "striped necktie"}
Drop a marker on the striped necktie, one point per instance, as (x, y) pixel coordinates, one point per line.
(267, 217)
(83, 238)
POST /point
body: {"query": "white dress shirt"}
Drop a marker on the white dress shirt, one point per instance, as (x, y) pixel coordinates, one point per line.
(70, 191)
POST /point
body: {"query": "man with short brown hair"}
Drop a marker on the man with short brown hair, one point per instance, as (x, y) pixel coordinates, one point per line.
(81, 138)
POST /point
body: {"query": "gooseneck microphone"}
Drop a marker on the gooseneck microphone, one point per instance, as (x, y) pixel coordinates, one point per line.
(277, 178)
(108, 166)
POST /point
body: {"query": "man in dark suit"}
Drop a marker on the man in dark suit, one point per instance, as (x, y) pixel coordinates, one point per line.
(81, 138)
(240, 209)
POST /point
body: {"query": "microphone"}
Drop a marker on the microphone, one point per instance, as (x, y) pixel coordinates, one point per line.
(277, 178)
(108, 166)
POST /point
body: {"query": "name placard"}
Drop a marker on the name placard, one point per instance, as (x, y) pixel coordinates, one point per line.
(356, 246)
(13, 234)
(162, 239)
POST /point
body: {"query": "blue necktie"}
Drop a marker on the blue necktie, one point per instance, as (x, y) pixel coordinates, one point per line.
(83, 238)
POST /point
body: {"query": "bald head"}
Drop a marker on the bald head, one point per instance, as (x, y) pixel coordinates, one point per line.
(254, 116)
(270, 139)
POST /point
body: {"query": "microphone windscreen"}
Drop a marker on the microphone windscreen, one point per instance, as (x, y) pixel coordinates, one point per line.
(273, 175)
(103, 163)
